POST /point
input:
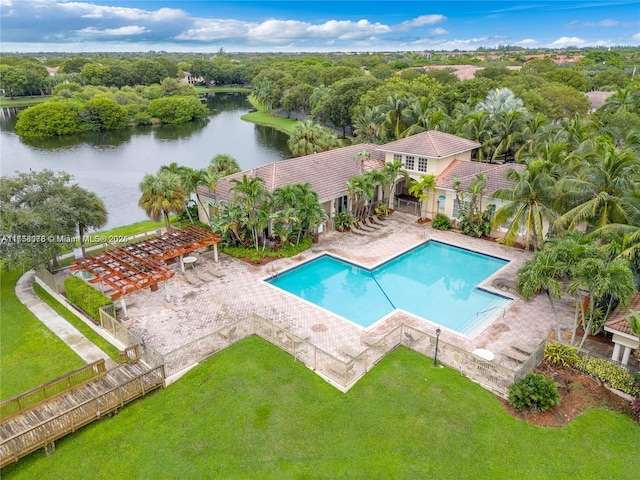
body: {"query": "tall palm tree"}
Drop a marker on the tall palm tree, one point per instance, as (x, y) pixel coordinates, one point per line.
(529, 206)
(501, 100)
(223, 164)
(397, 113)
(251, 193)
(476, 126)
(369, 126)
(392, 171)
(594, 195)
(506, 133)
(600, 278)
(420, 189)
(308, 137)
(162, 194)
(543, 273)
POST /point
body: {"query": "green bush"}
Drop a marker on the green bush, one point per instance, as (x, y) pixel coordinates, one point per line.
(344, 220)
(382, 210)
(441, 222)
(613, 374)
(561, 354)
(535, 391)
(85, 297)
(48, 120)
(289, 250)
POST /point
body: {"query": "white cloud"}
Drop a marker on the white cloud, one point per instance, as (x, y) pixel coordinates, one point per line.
(438, 31)
(636, 36)
(113, 32)
(89, 10)
(602, 23)
(6, 3)
(420, 21)
(528, 41)
(209, 30)
(568, 42)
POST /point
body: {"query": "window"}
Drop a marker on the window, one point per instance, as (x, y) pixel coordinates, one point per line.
(341, 204)
(422, 164)
(442, 200)
(456, 209)
(397, 156)
(410, 162)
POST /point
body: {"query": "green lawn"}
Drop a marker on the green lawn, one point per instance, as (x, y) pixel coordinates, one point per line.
(262, 118)
(222, 89)
(79, 324)
(6, 102)
(30, 354)
(253, 412)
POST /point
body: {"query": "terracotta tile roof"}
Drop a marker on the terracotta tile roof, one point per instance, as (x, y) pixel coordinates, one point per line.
(327, 172)
(617, 319)
(466, 171)
(598, 98)
(432, 144)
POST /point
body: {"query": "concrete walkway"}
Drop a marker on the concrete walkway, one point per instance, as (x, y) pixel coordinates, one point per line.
(87, 350)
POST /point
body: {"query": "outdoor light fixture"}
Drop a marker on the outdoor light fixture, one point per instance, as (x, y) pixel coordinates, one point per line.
(435, 356)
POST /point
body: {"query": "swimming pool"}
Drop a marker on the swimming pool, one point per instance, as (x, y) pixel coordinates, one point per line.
(435, 281)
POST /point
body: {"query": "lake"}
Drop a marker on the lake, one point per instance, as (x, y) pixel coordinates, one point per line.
(112, 164)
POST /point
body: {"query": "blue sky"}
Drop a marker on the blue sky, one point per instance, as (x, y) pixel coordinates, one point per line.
(300, 25)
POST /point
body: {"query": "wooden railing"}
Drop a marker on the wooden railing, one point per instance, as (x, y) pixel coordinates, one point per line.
(55, 387)
(45, 433)
(130, 354)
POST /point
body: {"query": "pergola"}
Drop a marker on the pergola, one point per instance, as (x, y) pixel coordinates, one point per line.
(139, 265)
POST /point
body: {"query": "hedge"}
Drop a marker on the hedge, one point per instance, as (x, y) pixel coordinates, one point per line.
(85, 297)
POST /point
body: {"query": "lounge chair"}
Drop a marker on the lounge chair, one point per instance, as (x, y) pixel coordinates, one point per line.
(203, 275)
(372, 224)
(363, 226)
(358, 231)
(192, 278)
(378, 220)
(215, 271)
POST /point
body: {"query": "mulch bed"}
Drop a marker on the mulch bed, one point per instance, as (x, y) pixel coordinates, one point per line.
(579, 393)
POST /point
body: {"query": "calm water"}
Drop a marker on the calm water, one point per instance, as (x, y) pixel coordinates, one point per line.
(435, 281)
(112, 164)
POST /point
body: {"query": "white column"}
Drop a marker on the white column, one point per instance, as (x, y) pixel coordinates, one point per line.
(166, 291)
(181, 265)
(124, 308)
(625, 355)
(616, 352)
(215, 252)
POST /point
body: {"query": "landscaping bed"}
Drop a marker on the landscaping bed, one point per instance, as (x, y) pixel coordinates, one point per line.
(579, 393)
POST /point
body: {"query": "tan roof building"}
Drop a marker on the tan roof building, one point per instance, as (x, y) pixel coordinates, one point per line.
(467, 171)
(623, 337)
(431, 144)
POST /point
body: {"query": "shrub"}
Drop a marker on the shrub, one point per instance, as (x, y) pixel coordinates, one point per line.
(561, 354)
(535, 391)
(382, 210)
(613, 374)
(48, 120)
(85, 297)
(283, 252)
(441, 222)
(344, 220)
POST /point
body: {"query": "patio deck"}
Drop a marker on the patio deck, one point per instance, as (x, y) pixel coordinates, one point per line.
(239, 290)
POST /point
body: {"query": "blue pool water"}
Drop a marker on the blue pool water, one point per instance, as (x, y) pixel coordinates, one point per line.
(434, 281)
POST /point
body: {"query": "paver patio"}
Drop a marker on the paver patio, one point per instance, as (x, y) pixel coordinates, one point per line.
(241, 291)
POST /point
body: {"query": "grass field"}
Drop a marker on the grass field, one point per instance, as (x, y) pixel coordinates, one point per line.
(262, 118)
(253, 412)
(22, 101)
(30, 354)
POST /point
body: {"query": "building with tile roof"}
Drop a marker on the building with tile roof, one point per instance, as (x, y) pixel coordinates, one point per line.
(623, 337)
(433, 152)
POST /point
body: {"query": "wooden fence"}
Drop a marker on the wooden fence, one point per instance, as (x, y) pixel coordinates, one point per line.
(49, 390)
(45, 433)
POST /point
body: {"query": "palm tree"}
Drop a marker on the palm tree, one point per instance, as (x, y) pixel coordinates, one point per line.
(529, 202)
(543, 273)
(595, 194)
(369, 126)
(634, 321)
(506, 133)
(420, 189)
(308, 137)
(209, 180)
(250, 192)
(162, 194)
(500, 100)
(397, 114)
(223, 164)
(392, 171)
(598, 279)
(475, 126)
